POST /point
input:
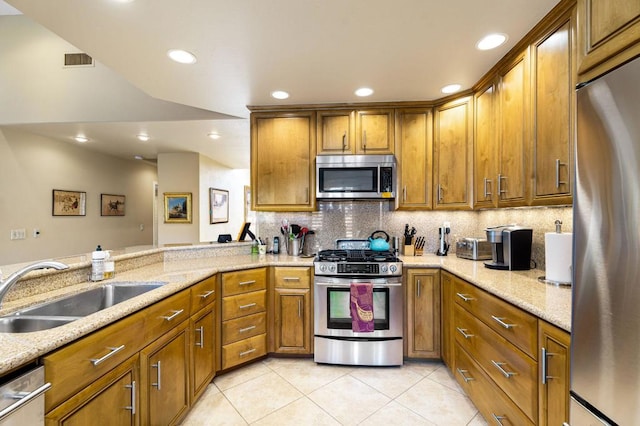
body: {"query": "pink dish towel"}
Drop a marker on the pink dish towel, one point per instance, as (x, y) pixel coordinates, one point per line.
(362, 307)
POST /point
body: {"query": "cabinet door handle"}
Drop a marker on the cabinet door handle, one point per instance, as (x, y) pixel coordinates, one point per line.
(500, 190)
(200, 342)
(404, 193)
(463, 331)
(344, 141)
(244, 330)
(252, 350)
(500, 321)
(112, 352)
(173, 315)
(247, 306)
(299, 308)
(545, 366)
(504, 372)
(558, 181)
(207, 294)
(487, 193)
(439, 193)
(498, 418)
(364, 140)
(465, 297)
(247, 282)
(291, 278)
(418, 288)
(158, 384)
(463, 373)
(132, 407)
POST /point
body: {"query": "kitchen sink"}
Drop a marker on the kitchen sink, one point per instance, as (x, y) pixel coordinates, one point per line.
(62, 311)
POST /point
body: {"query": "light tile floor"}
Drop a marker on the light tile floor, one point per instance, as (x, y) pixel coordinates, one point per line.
(283, 391)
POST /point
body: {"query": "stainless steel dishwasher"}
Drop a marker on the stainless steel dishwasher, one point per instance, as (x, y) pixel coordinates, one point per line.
(22, 399)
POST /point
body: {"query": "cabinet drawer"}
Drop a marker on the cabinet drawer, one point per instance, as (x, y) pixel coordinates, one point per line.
(492, 403)
(292, 277)
(243, 304)
(244, 327)
(80, 363)
(515, 325)
(244, 350)
(165, 314)
(513, 371)
(203, 293)
(244, 281)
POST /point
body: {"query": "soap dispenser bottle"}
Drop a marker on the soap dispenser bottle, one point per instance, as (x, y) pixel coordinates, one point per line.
(97, 264)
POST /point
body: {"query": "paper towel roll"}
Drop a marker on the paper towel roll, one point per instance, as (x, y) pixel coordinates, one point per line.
(558, 254)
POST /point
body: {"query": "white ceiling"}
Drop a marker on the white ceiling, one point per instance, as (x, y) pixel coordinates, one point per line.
(320, 51)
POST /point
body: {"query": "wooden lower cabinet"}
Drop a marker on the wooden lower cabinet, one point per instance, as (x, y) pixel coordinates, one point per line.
(423, 313)
(112, 399)
(164, 378)
(203, 351)
(554, 367)
(292, 313)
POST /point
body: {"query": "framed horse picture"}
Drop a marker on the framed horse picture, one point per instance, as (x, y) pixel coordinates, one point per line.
(69, 203)
(112, 205)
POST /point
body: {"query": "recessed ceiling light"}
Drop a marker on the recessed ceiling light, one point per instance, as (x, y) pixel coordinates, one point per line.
(451, 88)
(81, 139)
(182, 56)
(491, 41)
(279, 94)
(142, 137)
(214, 135)
(364, 91)
(138, 157)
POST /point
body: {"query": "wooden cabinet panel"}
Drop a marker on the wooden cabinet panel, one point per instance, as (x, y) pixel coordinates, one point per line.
(447, 323)
(244, 304)
(203, 351)
(485, 149)
(336, 132)
(244, 327)
(554, 367)
(453, 144)
(244, 281)
(282, 159)
(243, 351)
(165, 315)
(553, 95)
(375, 131)
(423, 313)
(414, 150)
(164, 375)
(292, 321)
(203, 293)
(292, 277)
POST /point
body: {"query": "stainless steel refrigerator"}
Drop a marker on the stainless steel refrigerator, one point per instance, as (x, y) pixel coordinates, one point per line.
(605, 342)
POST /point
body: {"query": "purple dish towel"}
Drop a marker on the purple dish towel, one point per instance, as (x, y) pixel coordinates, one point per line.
(362, 307)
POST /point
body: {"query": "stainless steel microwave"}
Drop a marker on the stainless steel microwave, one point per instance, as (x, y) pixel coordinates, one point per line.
(355, 177)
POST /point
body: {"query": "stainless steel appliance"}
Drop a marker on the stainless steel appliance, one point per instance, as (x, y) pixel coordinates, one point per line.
(605, 331)
(510, 247)
(22, 399)
(334, 340)
(473, 249)
(355, 177)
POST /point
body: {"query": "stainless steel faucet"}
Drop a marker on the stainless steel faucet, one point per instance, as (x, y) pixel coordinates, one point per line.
(5, 285)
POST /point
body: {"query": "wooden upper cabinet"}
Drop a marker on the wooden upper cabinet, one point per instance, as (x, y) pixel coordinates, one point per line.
(414, 151)
(336, 132)
(374, 131)
(485, 149)
(452, 155)
(513, 125)
(553, 108)
(608, 35)
(282, 161)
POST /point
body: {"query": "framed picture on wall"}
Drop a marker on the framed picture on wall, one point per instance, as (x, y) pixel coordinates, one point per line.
(69, 203)
(218, 205)
(111, 205)
(177, 207)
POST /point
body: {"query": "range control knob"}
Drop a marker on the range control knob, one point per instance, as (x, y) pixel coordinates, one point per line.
(332, 268)
(383, 268)
(323, 268)
(393, 268)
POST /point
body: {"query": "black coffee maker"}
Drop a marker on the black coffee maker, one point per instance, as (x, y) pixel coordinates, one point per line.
(510, 247)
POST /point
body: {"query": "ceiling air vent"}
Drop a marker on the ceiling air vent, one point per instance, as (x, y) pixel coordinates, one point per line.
(77, 60)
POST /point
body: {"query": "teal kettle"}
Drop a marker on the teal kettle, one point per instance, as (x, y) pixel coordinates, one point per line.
(379, 244)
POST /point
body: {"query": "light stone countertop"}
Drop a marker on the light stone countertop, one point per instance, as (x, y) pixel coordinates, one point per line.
(522, 288)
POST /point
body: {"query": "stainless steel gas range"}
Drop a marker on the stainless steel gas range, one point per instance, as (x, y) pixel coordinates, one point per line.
(335, 342)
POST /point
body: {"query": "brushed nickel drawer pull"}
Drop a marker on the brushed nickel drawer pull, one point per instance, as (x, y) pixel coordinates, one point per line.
(173, 315)
(248, 352)
(418, 287)
(200, 331)
(500, 321)
(463, 373)
(498, 418)
(132, 407)
(291, 278)
(247, 282)
(545, 366)
(558, 181)
(158, 384)
(244, 330)
(207, 294)
(299, 308)
(249, 305)
(504, 372)
(465, 297)
(487, 193)
(112, 352)
(463, 331)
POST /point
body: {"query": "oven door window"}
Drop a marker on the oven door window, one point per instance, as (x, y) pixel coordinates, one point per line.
(356, 179)
(339, 308)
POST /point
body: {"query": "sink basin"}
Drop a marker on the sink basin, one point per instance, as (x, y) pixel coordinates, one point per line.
(59, 312)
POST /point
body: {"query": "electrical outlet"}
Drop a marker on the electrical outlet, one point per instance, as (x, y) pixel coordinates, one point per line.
(36, 232)
(18, 234)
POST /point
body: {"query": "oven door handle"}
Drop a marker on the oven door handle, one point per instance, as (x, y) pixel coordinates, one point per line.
(375, 285)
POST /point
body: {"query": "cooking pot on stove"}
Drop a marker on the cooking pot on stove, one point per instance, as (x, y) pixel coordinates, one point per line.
(379, 244)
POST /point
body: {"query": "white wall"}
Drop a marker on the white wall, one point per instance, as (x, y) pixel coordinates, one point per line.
(32, 166)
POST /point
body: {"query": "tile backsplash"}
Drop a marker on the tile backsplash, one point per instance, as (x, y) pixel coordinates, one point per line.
(359, 219)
